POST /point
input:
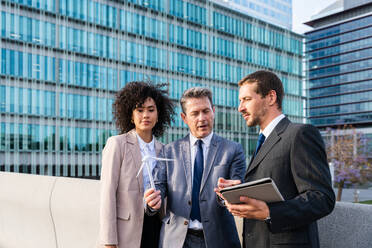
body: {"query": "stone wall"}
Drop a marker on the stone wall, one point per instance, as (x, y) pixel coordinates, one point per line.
(58, 212)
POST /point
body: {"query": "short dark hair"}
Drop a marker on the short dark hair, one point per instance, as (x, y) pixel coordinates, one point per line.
(195, 92)
(266, 81)
(134, 95)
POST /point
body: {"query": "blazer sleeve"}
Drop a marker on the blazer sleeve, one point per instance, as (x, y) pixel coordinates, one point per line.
(111, 163)
(238, 165)
(310, 171)
(237, 169)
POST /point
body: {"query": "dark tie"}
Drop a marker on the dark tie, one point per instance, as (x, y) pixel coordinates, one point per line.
(260, 141)
(198, 173)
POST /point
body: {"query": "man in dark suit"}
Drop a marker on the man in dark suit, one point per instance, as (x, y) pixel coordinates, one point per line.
(194, 216)
(293, 155)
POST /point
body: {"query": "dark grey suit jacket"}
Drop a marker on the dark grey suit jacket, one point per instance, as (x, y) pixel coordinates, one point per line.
(225, 159)
(294, 157)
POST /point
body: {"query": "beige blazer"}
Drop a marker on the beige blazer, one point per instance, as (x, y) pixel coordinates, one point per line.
(122, 205)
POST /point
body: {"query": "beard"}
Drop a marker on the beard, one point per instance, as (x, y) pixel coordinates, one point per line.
(256, 119)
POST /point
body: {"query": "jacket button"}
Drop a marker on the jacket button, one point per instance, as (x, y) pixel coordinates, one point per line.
(186, 223)
(189, 202)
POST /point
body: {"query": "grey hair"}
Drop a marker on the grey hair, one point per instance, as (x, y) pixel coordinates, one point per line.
(195, 92)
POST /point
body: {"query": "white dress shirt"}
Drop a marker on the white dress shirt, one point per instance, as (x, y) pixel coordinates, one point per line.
(267, 131)
(195, 224)
(149, 150)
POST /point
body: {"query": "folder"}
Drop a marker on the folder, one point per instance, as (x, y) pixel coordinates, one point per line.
(262, 189)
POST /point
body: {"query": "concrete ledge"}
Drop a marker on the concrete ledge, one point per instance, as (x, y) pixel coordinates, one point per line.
(48, 212)
(349, 225)
(25, 217)
(75, 210)
(57, 212)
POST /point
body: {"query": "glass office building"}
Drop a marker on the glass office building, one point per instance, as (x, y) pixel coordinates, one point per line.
(277, 12)
(340, 67)
(62, 62)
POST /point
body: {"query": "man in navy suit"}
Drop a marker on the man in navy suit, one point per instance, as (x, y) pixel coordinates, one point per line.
(293, 155)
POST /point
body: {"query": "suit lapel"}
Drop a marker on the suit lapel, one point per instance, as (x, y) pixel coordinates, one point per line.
(266, 147)
(213, 147)
(135, 152)
(273, 138)
(185, 155)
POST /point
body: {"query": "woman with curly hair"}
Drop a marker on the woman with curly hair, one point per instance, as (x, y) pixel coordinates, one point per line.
(141, 111)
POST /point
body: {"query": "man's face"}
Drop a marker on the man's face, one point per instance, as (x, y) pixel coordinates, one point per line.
(252, 106)
(199, 116)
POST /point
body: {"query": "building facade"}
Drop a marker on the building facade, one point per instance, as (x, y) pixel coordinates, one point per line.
(277, 12)
(62, 62)
(339, 52)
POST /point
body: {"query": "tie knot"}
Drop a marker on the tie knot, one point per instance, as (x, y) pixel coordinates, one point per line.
(261, 138)
(199, 143)
(260, 141)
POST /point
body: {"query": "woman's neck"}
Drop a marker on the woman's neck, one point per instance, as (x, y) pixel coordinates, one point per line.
(145, 135)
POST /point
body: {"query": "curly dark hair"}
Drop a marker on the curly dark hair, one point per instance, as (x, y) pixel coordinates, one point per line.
(133, 95)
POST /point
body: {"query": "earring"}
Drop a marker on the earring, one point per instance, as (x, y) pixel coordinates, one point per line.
(132, 121)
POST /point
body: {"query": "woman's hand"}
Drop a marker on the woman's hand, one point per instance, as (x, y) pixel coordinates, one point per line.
(153, 198)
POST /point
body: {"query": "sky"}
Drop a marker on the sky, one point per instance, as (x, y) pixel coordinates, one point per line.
(303, 10)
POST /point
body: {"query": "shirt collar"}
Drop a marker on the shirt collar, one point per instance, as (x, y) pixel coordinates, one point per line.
(267, 131)
(206, 140)
(143, 144)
